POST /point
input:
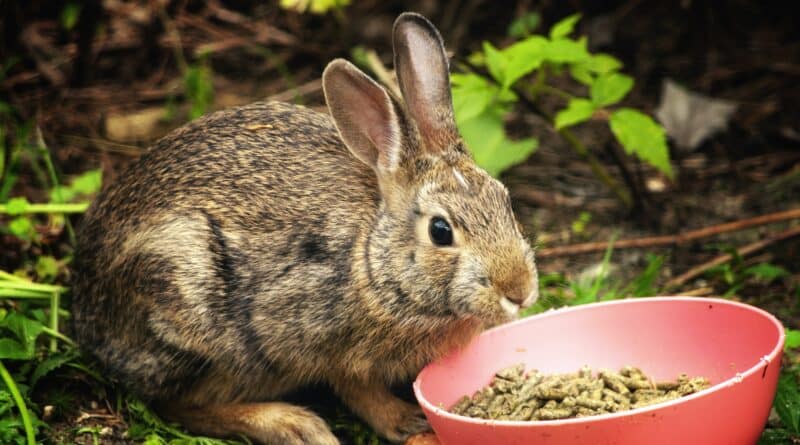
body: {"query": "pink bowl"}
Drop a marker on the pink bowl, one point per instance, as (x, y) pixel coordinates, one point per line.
(738, 347)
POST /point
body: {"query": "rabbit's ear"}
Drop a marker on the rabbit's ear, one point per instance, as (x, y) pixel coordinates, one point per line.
(364, 115)
(423, 75)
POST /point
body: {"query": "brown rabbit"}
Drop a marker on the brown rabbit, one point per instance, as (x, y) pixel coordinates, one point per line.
(268, 247)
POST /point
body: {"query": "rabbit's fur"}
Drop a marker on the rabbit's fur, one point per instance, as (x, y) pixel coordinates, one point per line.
(267, 247)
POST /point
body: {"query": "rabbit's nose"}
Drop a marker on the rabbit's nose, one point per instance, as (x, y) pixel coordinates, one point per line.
(517, 288)
(517, 296)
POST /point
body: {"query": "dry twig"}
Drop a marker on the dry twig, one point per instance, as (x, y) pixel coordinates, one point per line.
(668, 240)
(722, 259)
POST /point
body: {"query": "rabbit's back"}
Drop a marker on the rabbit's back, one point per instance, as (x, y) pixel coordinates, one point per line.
(229, 231)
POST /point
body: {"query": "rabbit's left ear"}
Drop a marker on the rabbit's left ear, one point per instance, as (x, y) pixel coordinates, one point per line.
(364, 114)
(423, 74)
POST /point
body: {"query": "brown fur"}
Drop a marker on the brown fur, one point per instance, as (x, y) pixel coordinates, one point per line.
(250, 253)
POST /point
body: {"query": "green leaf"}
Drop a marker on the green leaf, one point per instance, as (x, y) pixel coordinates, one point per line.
(566, 51)
(486, 139)
(581, 73)
(53, 362)
(523, 57)
(496, 62)
(26, 331)
(766, 272)
(472, 94)
(17, 206)
(577, 111)
(776, 436)
(61, 194)
(12, 349)
(22, 227)
(88, 183)
(792, 339)
(640, 134)
(610, 88)
(525, 25)
(564, 27)
(787, 402)
(46, 268)
(603, 64)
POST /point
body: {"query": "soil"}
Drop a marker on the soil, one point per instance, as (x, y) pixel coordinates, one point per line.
(102, 90)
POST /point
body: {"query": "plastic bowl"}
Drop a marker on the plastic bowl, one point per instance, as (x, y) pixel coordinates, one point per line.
(736, 346)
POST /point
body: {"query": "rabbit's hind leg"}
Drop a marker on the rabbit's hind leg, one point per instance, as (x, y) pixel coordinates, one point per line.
(273, 423)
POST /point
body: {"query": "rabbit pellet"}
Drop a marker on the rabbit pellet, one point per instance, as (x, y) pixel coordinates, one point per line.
(515, 395)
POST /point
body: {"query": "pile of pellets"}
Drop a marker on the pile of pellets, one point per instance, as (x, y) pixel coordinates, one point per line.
(514, 395)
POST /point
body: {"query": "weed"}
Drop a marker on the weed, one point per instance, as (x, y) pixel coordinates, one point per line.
(197, 80)
(521, 72)
(735, 275)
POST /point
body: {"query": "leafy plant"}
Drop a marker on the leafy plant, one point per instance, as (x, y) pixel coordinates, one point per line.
(521, 71)
(735, 275)
(524, 25)
(18, 342)
(787, 406)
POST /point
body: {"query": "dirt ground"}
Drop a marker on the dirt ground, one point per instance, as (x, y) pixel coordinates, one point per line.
(104, 89)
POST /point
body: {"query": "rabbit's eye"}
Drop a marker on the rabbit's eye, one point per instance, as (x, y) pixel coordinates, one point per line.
(440, 231)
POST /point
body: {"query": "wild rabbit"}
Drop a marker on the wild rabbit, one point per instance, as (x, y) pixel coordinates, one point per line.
(267, 247)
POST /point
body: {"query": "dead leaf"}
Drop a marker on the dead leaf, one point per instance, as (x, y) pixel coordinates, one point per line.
(137, 126)
(690, 118)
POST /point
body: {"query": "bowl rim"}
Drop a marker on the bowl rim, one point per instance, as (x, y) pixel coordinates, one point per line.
(739, 377)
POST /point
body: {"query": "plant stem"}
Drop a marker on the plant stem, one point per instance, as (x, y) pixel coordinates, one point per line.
(77, 207)
(49, 288)
(23, 409)
(44, 152)
(11, 277)
(24, 294)
(596, 166)
(383, 75)
(538, 83)
(58, 335)
(54, 303)
(577, 145)
(556, 91)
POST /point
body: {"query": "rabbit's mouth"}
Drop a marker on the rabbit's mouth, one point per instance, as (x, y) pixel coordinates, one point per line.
(511, 308)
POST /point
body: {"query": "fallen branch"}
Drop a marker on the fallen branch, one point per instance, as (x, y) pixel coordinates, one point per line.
(722, 259)
(669, 240)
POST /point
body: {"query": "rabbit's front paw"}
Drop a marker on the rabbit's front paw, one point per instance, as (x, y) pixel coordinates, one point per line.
(388, 415)
(404, 423)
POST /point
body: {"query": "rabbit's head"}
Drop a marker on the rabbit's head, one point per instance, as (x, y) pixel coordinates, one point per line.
(445, 242)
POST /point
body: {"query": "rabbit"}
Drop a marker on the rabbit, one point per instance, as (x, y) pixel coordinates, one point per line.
(268, 247)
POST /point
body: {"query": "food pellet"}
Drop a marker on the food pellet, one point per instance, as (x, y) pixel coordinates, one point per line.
(516, 395)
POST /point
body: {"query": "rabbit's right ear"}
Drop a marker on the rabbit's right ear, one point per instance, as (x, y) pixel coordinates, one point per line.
(364, 115)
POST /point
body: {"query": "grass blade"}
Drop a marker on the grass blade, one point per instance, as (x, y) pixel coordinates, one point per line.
(23, 409)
